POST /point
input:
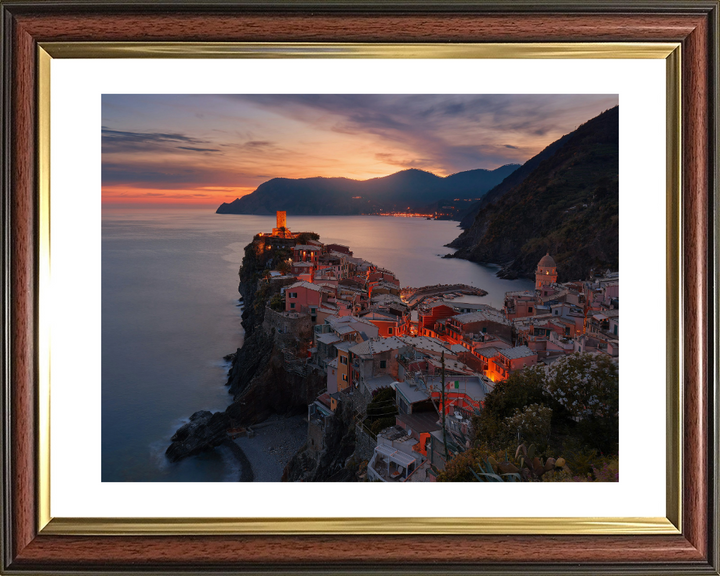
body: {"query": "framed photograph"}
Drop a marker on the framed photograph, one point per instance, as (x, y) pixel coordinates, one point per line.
(433, 398)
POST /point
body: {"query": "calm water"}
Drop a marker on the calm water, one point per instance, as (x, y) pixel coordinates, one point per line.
(169, 283)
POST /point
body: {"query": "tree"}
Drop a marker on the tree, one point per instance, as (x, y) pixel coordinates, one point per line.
(458, 468)
(521, 389)
(284, 266)
(586, 386)
(530, 425)
(304, 237)
(277, 303)
(381, 410)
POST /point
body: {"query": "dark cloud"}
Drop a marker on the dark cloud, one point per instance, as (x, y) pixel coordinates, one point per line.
(457, 109)
(428, 126)
(377, 121)
(403, 163)
(125, 141)
(198, 149)
(532, 113)
(258, 144)
(254, 146)
(164, 195)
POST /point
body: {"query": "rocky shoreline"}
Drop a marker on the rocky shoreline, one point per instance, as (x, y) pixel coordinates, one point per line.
(262, 381)
(204, 431)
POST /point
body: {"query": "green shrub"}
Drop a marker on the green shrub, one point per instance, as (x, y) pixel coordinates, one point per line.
(380, 424)
(518, 391)
(380, 412)
(277, 303)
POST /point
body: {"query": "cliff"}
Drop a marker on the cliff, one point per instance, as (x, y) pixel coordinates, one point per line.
(268, 375)
(566, 205)
(333, 462)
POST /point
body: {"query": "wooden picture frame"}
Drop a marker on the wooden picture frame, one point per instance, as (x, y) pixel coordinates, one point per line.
(30, 546)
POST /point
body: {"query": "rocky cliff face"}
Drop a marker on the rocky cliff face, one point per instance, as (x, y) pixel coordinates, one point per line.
(266, 375)
(254, 300)
(266, 379)
(334, 462)
(567, 205)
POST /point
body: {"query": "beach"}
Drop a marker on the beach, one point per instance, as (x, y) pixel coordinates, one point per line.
(271, 447)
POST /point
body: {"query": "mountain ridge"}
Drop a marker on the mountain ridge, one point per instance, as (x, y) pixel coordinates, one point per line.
(566, 205)
(319, 195)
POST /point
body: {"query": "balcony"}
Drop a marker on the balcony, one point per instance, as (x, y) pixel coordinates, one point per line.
(391, 465)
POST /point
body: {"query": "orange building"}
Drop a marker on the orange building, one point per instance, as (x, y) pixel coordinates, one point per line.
(281, 230)
(432, 313)
(303, 297)
(509, 360)
(387, 324)
(343, 367)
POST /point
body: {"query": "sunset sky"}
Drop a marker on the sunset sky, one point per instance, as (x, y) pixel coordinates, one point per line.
(209, 149)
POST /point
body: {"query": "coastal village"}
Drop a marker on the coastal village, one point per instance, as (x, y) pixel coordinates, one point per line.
(414, 365)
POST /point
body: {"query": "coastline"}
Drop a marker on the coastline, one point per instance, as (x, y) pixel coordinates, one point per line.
(246, 470)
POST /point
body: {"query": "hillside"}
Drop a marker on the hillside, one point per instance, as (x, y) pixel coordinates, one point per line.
(341, 196)
(514, 179)
(567, 205)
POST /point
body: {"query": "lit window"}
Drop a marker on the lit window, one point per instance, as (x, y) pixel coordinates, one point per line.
(344, 377)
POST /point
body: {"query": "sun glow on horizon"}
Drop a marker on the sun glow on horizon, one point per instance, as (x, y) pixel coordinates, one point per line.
(210, 149)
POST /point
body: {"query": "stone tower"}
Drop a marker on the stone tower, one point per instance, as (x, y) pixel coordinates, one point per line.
(281, 230)
(546, 273)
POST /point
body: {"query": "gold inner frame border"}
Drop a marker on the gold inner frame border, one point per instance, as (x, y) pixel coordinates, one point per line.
(671, 524)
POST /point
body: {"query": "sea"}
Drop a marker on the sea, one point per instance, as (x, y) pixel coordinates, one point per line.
(170, 313)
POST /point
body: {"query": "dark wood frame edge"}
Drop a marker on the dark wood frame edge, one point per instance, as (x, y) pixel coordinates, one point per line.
(24, 24)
